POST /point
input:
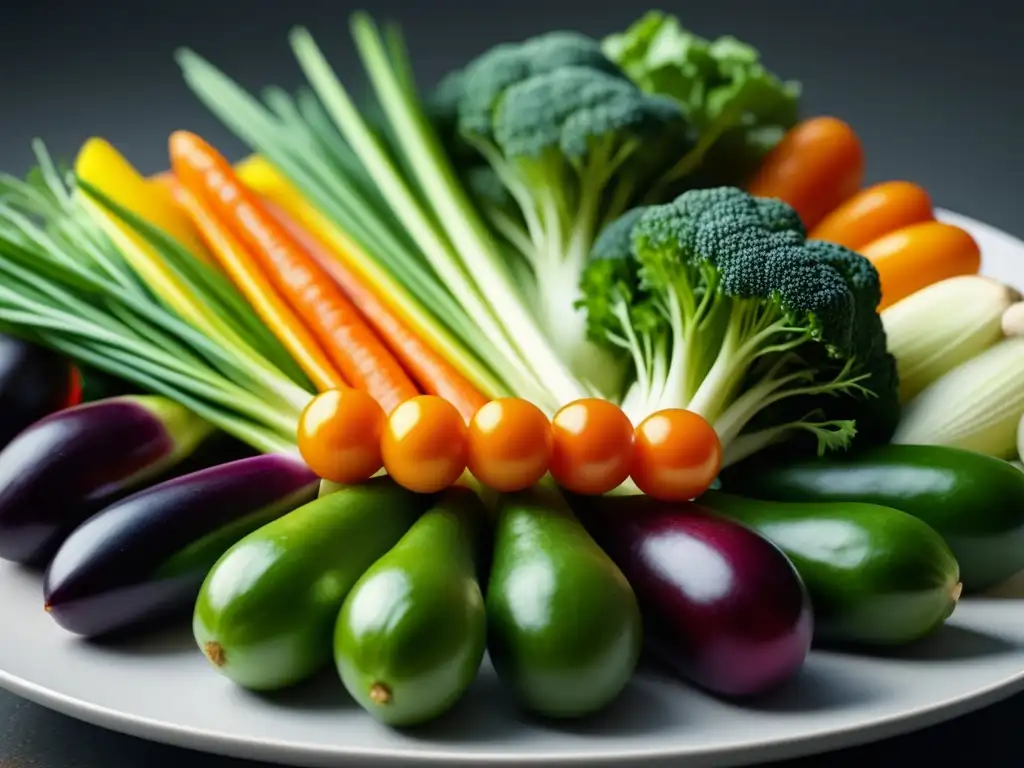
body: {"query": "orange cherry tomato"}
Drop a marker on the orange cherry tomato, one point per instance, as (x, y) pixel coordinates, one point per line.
(874, 212)
(914, 257)
(339, 435)
(592, 446)
(509, 444)
(676, 455)
(818, 164)
(425, 444)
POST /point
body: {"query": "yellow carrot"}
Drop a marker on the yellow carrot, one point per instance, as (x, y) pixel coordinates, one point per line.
(100, 164)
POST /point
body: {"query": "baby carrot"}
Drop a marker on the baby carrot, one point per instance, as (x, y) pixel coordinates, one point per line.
(914, 257)
(818, 165)
(258, 291)
(435, 374)
(873, 212)
(361, 357)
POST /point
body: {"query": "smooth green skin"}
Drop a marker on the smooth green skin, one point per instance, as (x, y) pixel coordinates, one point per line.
(564, 629)
(266, 610)
(974, 501)
(875, 575)
(414, 627)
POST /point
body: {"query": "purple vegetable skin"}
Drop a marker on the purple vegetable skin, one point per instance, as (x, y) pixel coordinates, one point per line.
(72, 463)
(145, 557)
(722, 606)
(34, 382)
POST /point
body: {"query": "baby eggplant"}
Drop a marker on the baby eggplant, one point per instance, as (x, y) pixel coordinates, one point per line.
(722, 606)
(73, 463)
(145, 557)
(34, 382)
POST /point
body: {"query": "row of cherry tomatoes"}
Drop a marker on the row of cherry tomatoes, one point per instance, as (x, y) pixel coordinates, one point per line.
(589, 447)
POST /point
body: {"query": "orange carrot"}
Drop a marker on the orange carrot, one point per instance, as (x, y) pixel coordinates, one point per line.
(349, 342)
(435, 374)
(873, 212)
(818, 165)
(914, 257)
(252, 282)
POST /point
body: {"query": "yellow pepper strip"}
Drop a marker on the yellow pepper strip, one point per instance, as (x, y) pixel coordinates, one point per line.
(100, 164)
(259, 174)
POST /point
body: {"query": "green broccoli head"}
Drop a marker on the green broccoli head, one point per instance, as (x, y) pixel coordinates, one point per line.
(582, 115)
(573, 140)
(766, 334)
(488, 76)
(753, 249)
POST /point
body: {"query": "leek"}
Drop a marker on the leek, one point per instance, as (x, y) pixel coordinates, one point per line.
(977, 406)
(938, 328)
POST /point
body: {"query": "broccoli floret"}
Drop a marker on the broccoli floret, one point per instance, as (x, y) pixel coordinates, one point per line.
(727, 310)
(572, 139)
(488, 76)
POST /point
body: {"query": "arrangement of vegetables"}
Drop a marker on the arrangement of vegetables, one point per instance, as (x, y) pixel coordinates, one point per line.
(597, 348)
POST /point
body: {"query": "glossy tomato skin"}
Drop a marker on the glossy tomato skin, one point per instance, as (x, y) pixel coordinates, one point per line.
(425, 444)
(592, 447)
(510, 444)
(676, 455)
(339, 435)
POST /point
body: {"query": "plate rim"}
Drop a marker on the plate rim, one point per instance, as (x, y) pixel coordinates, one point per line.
(824, 739)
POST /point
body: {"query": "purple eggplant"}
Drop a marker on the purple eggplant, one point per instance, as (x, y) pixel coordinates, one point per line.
(145, 557)
(722, 605)
(34, 382)
(73, 463)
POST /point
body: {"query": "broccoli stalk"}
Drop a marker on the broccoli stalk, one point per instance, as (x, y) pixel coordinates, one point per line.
(572, 140)
(726, 310)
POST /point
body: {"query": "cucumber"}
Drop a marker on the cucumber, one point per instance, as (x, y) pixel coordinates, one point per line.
(564, 628)
(412, 632)
(265, 614)
(975, 502)
(876, 576)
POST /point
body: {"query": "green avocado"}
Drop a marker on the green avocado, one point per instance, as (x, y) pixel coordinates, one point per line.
(876, 576)
(412, 632)
(975, 502)
(564, 628)
(265, 613)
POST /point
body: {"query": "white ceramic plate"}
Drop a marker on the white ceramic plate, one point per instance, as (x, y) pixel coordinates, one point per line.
(163, 689)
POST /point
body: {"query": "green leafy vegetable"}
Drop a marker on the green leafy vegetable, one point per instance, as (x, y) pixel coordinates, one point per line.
(737, 107)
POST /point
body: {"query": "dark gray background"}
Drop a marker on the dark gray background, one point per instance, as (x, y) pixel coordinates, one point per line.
(932, 87)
